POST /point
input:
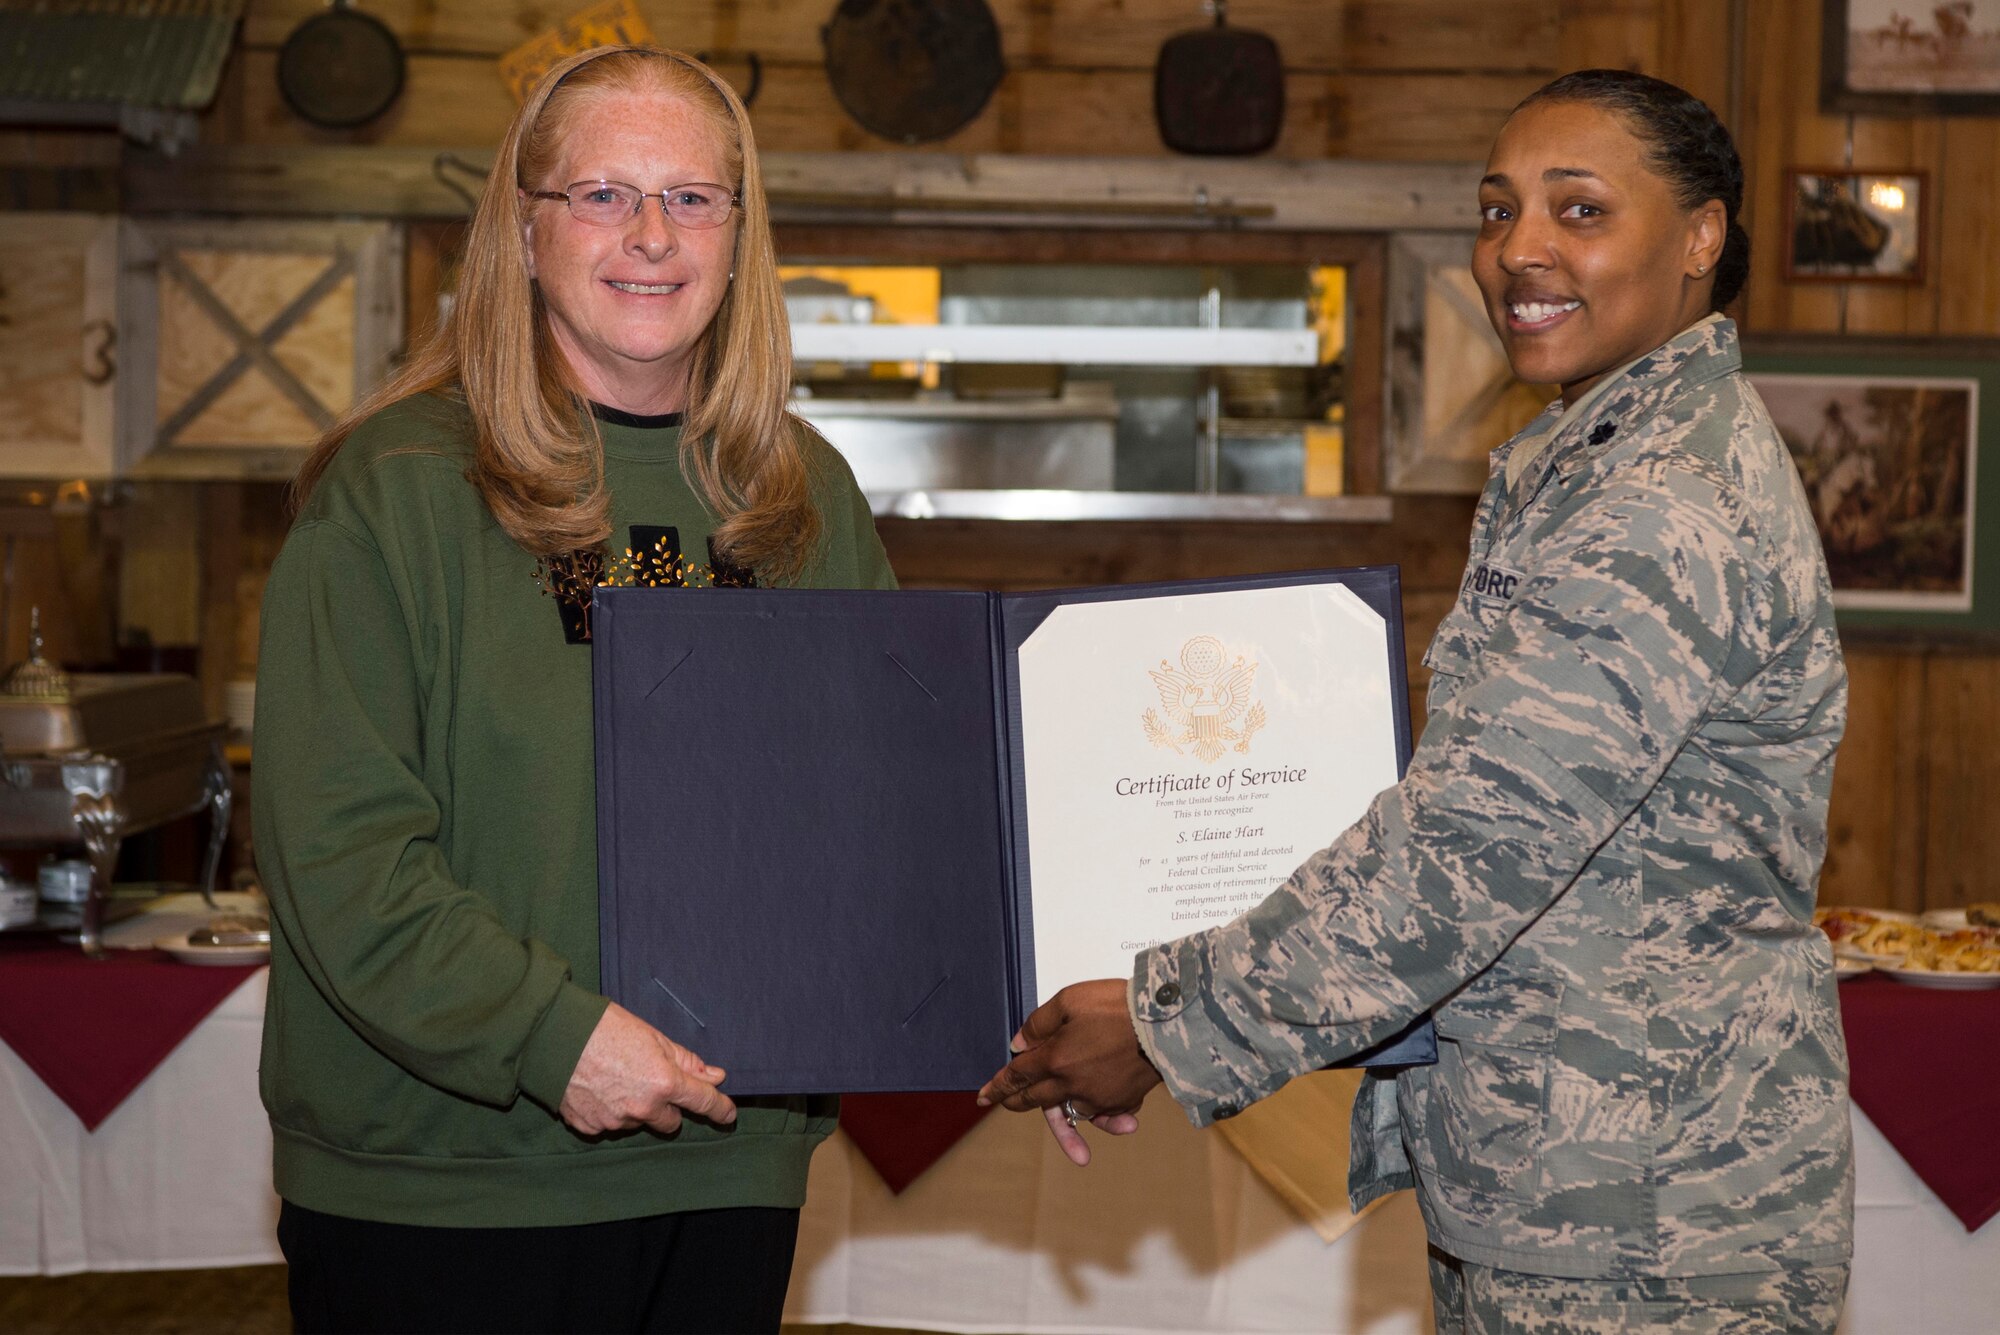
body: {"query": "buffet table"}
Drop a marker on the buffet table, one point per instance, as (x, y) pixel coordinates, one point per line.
(1168, 1231)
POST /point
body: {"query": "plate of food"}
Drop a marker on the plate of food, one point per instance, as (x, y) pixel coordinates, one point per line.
(1877, 936)
(1961, 960)
(1971, 950)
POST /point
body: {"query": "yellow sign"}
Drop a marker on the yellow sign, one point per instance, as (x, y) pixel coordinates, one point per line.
(1203, 699)
(1326, 459)
(612, 23)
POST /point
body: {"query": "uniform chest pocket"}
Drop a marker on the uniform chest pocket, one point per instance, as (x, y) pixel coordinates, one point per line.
(1488, 1111)
(1453, 654)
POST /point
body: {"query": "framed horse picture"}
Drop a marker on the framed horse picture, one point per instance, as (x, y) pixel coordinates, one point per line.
(1911, 57)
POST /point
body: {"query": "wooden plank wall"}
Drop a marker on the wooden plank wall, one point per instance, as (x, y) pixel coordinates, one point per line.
(1380, 79)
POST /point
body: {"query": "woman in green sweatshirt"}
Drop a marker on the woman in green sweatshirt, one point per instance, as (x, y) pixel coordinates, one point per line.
(468, 1135)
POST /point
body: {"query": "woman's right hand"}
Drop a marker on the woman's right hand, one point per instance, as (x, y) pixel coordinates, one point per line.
(632, 1075)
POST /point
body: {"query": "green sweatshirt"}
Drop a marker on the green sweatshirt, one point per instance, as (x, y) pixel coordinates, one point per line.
(425, 826)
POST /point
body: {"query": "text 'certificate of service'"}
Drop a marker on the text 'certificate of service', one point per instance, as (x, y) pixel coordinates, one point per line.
(1185, 754)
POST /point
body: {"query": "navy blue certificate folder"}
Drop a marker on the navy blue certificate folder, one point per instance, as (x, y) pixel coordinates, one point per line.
(812, 835)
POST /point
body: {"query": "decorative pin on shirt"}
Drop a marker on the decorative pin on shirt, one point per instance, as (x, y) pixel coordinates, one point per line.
(573, 578)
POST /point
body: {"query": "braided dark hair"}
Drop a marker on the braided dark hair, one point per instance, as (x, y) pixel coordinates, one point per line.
(1686, 144)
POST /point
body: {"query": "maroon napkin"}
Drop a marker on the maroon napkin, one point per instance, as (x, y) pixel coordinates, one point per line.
(1925, 1075)
(93, 1030)
(904, 1134)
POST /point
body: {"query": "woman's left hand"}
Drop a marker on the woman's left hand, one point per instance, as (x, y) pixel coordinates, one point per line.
(1080, 1048)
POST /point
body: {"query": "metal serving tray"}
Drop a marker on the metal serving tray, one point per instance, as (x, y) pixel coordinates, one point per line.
(87, 760)
(99, 712)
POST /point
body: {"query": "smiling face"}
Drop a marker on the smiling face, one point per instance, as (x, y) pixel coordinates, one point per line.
(1585, 258)
(627, 304)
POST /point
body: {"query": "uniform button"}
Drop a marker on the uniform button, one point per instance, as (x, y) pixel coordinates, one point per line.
(1168, 994)
(1225, 1111)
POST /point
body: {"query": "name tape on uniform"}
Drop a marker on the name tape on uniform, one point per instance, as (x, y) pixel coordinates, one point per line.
(1495, 583)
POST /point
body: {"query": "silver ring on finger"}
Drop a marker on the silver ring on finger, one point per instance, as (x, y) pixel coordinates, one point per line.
(1069, 1112)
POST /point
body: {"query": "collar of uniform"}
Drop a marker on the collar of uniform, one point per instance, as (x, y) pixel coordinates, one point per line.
(1539, 445)
(1704, 351)
(1565, 441)
(1543, 424)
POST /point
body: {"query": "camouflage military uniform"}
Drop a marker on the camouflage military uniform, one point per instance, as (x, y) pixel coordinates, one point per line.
(1477, 1300)
(1598, 873)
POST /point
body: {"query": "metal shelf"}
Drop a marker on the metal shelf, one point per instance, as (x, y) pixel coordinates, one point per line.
(1240, 428)
(1129, 505)
(1064, 345)
(1069, 407)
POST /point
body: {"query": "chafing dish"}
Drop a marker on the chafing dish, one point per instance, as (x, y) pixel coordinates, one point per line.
(86, 760)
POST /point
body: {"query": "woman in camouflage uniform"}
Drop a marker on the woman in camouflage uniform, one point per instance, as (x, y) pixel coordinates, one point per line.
(1599, 872)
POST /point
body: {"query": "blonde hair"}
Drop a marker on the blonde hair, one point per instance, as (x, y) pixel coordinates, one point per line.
(538, 460)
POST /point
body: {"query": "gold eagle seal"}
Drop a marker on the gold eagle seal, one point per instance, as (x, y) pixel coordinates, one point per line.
(1203, 700)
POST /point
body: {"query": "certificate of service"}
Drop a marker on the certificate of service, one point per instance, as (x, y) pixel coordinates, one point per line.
(1184, 754)
(849, 839)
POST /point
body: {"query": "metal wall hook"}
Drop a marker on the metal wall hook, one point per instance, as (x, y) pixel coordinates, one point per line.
(749, 95)
(452, 160)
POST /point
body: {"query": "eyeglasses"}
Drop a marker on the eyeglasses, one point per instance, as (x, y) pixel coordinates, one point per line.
(613, 203)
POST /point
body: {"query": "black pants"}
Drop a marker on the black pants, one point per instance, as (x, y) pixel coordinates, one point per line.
(702, 1271)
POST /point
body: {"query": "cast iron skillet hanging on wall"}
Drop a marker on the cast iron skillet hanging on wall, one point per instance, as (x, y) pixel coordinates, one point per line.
(912, 70)
(341, 68)
(1219, 90)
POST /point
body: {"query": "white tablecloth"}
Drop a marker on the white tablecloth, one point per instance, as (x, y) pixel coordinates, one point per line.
(178, 1176)
(1168, 1231)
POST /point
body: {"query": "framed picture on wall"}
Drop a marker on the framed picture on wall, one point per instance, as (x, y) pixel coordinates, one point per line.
(1911, 57)
(1889, 455)
(1844, 225)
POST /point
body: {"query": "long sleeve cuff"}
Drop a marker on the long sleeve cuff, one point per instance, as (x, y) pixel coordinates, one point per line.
(557, 1044)
(1185, 1050)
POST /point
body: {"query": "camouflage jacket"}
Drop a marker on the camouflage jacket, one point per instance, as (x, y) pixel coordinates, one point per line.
(1598, 873)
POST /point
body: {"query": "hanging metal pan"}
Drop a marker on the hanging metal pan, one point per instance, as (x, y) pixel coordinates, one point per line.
(341, 68)
(913, 70)
(1219, 90)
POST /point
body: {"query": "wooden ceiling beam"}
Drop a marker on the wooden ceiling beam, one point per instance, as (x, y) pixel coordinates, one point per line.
(982, 189)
